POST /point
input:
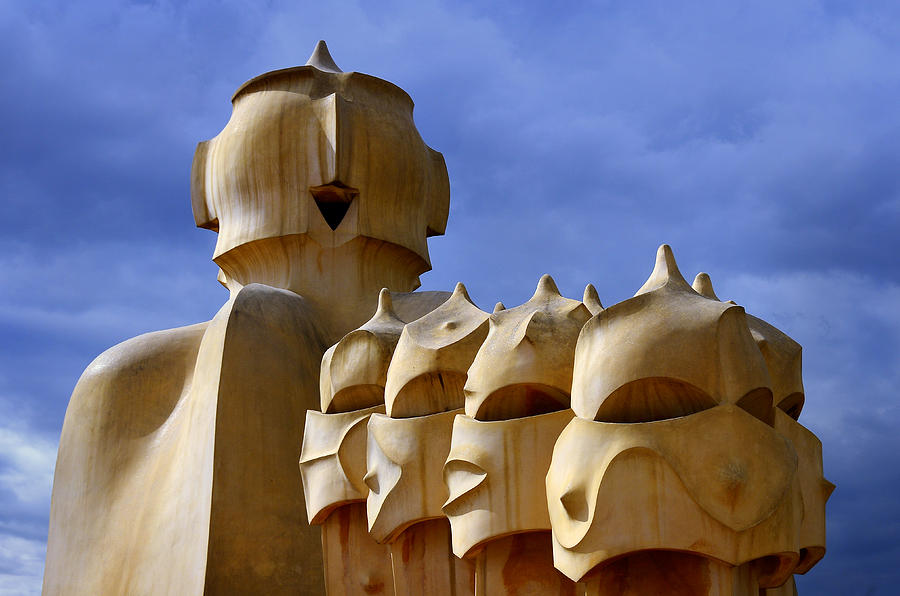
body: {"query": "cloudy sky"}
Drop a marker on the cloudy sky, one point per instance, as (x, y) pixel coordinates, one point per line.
(761, 140)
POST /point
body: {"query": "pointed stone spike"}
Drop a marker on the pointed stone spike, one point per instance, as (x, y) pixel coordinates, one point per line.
(384, 318)
(460, 290)
(499, 306)
(385, 304)
(321, 59)
(665, 271)
(546, 285)
(591, 299)
(703, 286)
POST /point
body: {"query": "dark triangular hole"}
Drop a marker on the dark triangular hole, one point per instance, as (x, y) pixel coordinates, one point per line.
(333, 201)
(333, 213)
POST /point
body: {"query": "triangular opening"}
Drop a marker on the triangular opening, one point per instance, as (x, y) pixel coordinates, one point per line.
(333, 201)
(333, 213)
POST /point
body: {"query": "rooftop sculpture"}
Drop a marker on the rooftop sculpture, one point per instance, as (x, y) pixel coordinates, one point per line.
(556, 447)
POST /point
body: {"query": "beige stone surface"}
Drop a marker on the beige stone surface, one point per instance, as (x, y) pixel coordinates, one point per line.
(356, 379)
(591, 299)
(157, 369)
(428, 369)
(517, 397)
(521, 564)
(333, 468)
(781, 353)
(408, 446)
(355, 565)
(321, 184)
(348, 136)
(333, 460)
(667, 352)
(557, 447)
(354, 370)
(495, 474)
(783, 359)
(693, 484)
(814, 489)
(680, 574)
(353, 374)
(423, 563)
(174, 467)
(524, 366)
(404, 458)
(177, 469)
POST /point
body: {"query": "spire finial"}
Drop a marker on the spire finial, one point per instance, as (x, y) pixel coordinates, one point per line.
(591, 299)
(460, 290)
(703, 286)
(546, 285)
(664, 272)
(321, 59)
(385, 304)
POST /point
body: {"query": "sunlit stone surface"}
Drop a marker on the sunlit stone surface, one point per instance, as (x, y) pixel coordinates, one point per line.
(555, 447)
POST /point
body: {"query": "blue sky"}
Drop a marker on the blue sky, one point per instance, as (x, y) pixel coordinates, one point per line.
(761, 140)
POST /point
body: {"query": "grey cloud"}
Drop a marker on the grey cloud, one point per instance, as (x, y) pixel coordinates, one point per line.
(760, 140)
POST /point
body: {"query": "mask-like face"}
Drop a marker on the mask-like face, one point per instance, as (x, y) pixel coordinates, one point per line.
(781, 353)
(719, 483)
(495, 474)
(333, 460)
(327, 154)
(667, 352)
(814, 488)
(404, 457)
(354, 370)
(783, 359)
(524, 366)
(428, 370)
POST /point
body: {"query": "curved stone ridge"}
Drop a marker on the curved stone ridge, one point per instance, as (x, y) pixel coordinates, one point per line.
(428, 369)
(314, 155)
(524, 366)
(683, 401)
(667, 352)
(556, 447)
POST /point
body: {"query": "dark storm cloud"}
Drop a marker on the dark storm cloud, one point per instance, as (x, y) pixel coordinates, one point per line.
(761, 140)
(849, 325)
